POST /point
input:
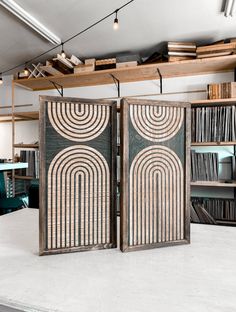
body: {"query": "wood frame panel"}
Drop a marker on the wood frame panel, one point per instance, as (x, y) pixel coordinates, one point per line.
(44, 250)
(125, 170)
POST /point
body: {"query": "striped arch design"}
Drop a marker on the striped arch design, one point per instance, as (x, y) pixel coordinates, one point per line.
(78, 200)
(156, 123)
(156, 210)
(78, 122)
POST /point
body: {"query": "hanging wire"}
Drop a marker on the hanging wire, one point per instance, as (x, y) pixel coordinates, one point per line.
(69, 39)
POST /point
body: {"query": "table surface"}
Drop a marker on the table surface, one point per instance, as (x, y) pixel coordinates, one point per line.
(200, 277)
(11, 166)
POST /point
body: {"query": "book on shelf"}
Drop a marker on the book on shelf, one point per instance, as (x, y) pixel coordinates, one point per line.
(204, 166)
(215, 50)
(223, 90)
(181, 46)
(179, 51)
(199, 214)
(213, 124)
(32, 158)
(221, 209)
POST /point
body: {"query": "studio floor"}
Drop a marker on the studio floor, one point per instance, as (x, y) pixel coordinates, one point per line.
(199, 277)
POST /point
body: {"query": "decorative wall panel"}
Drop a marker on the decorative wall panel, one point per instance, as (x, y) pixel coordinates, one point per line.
(78, 175)
(155, 144)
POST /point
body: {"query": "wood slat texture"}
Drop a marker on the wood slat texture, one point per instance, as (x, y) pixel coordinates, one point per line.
(155, 144)
(78, 175)
(138, 73)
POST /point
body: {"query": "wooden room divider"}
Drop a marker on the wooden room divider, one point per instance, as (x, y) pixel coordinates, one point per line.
(78, 181)
(77, 175)
(155, 143)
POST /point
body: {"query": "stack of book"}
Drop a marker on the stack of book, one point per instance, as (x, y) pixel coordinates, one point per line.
(179, 51)
(127, 60)
(88, 66)
(214, 124)
(214, 50)
(219, 208)
(223, 90)
(204, 166)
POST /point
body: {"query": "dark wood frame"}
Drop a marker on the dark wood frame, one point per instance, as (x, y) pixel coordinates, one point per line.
(125, 170)
(113, 176)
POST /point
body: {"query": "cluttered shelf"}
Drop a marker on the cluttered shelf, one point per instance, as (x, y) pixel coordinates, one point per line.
(132, 74)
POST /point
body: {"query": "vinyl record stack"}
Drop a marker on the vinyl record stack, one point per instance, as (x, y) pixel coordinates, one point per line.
(180, 51)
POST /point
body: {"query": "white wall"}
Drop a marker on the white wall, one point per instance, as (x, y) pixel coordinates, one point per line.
(27, 132)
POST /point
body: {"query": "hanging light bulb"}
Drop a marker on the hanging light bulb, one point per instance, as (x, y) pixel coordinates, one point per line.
(1, 81)
(26, 71)
(63, 54)
(116, 22)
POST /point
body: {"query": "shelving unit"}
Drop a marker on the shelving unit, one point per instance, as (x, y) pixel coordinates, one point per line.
(223, 183)
(138, 73)
(21, 116)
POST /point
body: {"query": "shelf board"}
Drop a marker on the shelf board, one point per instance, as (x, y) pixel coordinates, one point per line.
(132, 74)
(26, 145)
(214, 102)
(213, 143)
(213, 183)
(225, 222)
(24, 116)
(19, 116)
(18, 177)
(5, 118)
(13, 166)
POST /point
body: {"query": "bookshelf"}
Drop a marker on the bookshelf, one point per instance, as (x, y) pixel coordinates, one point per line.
(20, 178)
(220, 131)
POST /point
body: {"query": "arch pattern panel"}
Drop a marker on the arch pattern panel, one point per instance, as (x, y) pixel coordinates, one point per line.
(78, 175)
(155, 144)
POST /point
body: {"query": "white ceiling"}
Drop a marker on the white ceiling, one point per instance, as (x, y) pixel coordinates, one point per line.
(144, 26)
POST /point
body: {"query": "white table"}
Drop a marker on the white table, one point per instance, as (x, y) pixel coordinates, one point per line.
(200, 277)
(12, 166)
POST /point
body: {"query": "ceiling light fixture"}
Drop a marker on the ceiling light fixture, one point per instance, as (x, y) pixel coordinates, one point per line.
(26, 71)
(23, 15)
(1, 81)
(63, 54)
(229, 8)
(116, 22)
(67, 40)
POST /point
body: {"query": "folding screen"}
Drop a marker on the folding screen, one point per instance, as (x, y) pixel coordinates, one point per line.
(155, 142)
(77, 174)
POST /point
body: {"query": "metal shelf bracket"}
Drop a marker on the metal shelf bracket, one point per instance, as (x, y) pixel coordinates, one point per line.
(161, 80)
(117, 83)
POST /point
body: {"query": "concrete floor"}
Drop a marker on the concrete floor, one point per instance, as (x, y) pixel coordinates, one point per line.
(200, 277)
